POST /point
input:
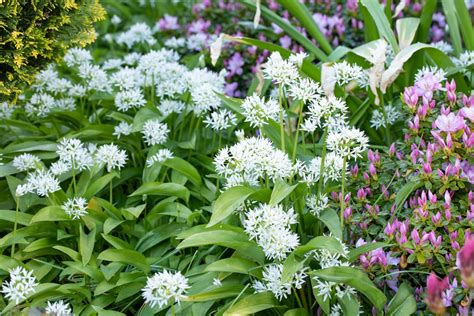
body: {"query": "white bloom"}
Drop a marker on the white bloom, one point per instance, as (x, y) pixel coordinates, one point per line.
(73, 152)
(258, 112)
(333, 164)
(322, 110)
(437, 74)
(127, 99)
(316, 204)
(348, 142)
(270, 227)
(139, 33)
(345, 73)
(155, 133)
(59, 167)
(22, 283)
(40, 104)
(336, 310)
(197, 41)
(59, 308)
(378, 119)
(42, 182)
(132, 58)
(465, 60)
(26, 162)
(6, 111)
(127, 78)
(175, 43)
(166, 107)
(116, 20)
(45, 77)
(272, 281)
(443, 46)
(94, 78)
(305, 89)
(77, 91)
(252, 159)
(279, 70)
(75, 207)
(77, 56)
(216, 282)
(165, 288)
(203, 85)
(297, 58)
(122, 129)
(111, 156)
(221, 120)
(161, 156)
(22, 189)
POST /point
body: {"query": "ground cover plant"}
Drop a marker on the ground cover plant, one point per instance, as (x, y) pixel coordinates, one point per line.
(195, 162)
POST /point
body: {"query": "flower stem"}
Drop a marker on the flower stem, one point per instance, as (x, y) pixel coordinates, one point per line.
(110, 192)
(323, 159)
(343, 183)
(300, 118)
(282, 123)
(15, 224)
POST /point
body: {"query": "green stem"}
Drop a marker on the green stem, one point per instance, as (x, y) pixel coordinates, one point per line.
(173, 312)
(300, 118)
(323, 160)
(74, 185)
(110, 192)
(282, 123)
(343, 183)
(15, 224)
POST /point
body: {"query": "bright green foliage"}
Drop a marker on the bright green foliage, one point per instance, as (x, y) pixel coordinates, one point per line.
(34, 33)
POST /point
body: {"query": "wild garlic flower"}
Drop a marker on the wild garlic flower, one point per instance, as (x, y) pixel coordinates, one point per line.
(111, 156)
(346, 73)
(322, 111)
(22, 283)
(220, 120)
(127, 99)
(168, 79)
(40, 104)
(75, 207)
(161, 156)
(94, 78)
(122, 129)
(280, 71)
(155, 133)
(26, 162)
(272, 281)
(204, 86)
(336, 310)
(378, 119)
(41, 182)
(252, 159)
(165, 288)
(139, 33)
(59, 167)
(127, 78)
(258, 112)
(305, 89)
(72, 152)
(297, 59)
(443, 46)
(310, 172)
(270, 227)
(77, 56)
(347, 142)
(166, 107)
(6, 111)
(112, 63)
(465, 60)
(317, 203)
(59, 308)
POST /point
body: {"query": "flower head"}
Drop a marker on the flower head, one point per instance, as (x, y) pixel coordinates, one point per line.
(465, 262)
(165, 288)
(111, 156)
(59, 308)
(26, 162)
(279, 70)
(450, 123)
(435, 289)
(154, 132)
(75, 207)
(258, 112)
(22, 283)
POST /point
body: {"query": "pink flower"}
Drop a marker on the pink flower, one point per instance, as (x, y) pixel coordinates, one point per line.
(465, 262)
(434, 290)
(468, 113)
(450, 123)
(168, 22)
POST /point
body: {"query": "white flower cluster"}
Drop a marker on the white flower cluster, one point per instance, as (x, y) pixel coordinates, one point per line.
(325, 111)
(443, 46)
(379, 120)
(270, 227)
(26, 162)
(59, 308)
(317, 203)
(251, 160)
(258, 112)
(75, 207)
(221, 120)
(139, 33)
(465, 60)
(165, 288)
(6, 110)
(22, 283)
(347, 142)
(155, 133)
(279, 70)
(161, 156)
(345, 73)
(273, 282)
(332, 171)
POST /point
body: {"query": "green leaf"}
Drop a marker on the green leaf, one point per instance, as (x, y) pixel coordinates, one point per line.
(86, 245)
(252, 304)
(224, 291)
(166, 189)
(234, 265)
(185, 168)
(51, 213)
(429, 8)
(406, 30)
(280, 191)
(127, 256)
(356, 252)
(330, 218)
(29, 146)
(453, 26)
(98, 185)
(355, 278)
(228, 202)
(383, 26)
(403, 303)
(12, 216)
(296, 312)
(405, 192)
(464, 19)
(302, 14)
(349, 304)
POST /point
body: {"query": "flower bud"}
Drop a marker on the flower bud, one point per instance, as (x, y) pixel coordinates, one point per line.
(435, 288)
(465, 262)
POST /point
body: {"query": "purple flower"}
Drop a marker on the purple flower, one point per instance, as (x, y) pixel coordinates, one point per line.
(168, 22)
(234, 65)
(467, 113)
(450, 123)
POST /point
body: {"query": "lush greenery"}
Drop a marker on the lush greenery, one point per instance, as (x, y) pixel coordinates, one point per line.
(234, 164)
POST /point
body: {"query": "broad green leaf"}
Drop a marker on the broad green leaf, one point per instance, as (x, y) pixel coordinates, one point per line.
(406, 30)
(429, 8)
(349, 304)
(331, 219)
(454, 31)
(296, 312)
(403, 303)
(29, 146)
(159, 234)
(51, 213)
(464, 19)
(383, 25)
(405, 192)
(185, 168)
(356, 252)
(13, 216)
(252, 304)
(355, 278)
(224, 291)
(234, 265)
(96, 186)
(127, 256)
(228, 202)
(86, 245)
(166, 189)
(280, 191)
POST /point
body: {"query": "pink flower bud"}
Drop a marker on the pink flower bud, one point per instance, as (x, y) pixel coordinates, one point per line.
(434, 290)
(465, 262)
(391, 150)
